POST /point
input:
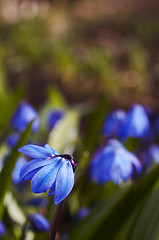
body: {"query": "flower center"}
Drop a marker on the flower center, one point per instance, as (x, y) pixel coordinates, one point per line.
(71, 159)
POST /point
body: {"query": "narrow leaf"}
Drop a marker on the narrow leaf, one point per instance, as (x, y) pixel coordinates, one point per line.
(6, 173)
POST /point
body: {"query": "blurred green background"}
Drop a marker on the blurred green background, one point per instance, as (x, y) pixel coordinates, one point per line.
(86, 49)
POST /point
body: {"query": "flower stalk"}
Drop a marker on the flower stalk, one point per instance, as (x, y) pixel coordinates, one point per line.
(56, 221)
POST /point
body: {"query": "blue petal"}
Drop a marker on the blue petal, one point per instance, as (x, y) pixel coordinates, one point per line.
(53, 117)
(52, 190)
(113, 122)
(50, 149)
(44, 178)
(136, 123)
(35, 151)
(2, 229)
(40, 223)
(121, 162)
(117, 175)
(101, 167)
(16, 172)
(30, 175)
(64, 182)
(107, 162)
(135, 162)
(33, 165)
(154, 153)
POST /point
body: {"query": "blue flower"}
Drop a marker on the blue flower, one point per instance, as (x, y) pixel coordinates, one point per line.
(38, 202)
(12, 139)
(49, 170)
(16, 172)
(154, 153)
(82, 213)
(114, 162)
(136, 123)
(39, 222)
(53, 117)
(23, 115)
(113, 123)
(2, 229)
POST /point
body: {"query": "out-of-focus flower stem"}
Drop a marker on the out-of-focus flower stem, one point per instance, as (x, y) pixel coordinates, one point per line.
(24, 229)
(56, 221)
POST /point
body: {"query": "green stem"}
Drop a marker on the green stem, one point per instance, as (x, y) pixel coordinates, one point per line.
(23, 234)
(55, 222)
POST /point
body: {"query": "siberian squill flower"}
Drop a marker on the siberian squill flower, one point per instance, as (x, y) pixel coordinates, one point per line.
(2, 229)
(49, 171)
(113, 123)
(53, 117)
(114, 162)
(39, 222)
(23, 115)
(136, 123)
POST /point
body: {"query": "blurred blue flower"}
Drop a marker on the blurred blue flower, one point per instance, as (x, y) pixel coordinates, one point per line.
(114, 162)
(148, 156)
(113, 123)
(145, 159)
(38, 202)
(12, 139)
(39, 222)
(136, 123)
(2, 229)
(82, 213)
(154, 153)
(49, 170)
(16, 172)
(23, 115)
(53, 117)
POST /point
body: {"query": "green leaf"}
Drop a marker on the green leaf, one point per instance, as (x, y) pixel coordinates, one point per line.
(115, 211)
(89, 225)
(6, 173)
(147, 226)
(94, 126)
(14, 210)
(92, 134)
(63, 136)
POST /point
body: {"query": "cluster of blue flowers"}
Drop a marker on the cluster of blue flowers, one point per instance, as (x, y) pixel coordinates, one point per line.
(53, 172)
(114, 162)
(120, 124)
